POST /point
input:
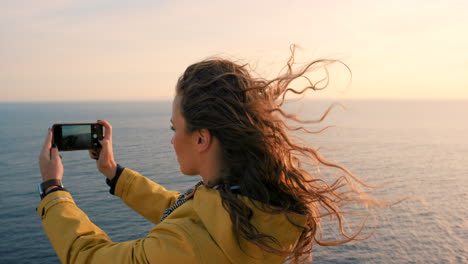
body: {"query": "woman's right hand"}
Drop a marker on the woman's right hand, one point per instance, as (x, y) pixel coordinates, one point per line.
(105, 156)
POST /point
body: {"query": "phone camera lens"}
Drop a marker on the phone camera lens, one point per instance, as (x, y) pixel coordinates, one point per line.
(94, 135)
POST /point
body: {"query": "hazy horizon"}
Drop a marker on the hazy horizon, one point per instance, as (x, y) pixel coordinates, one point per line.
(305, 99)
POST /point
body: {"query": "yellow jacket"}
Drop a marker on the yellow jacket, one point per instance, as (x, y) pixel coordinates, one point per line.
(199, 231)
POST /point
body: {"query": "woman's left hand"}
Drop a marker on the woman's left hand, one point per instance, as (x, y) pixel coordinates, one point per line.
(50, 161)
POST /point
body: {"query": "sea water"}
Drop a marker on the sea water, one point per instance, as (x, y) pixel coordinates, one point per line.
(413, 148)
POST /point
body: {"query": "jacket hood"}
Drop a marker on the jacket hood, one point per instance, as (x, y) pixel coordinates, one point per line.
(208, 205)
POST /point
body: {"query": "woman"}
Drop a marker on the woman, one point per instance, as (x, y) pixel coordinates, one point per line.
(255, 203)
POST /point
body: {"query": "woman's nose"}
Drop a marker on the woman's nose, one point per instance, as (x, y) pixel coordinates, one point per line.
(172, 140)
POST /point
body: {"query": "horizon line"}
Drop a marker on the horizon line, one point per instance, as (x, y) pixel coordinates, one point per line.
(305, 99)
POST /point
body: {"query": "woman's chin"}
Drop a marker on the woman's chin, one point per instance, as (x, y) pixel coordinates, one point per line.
(188, 172)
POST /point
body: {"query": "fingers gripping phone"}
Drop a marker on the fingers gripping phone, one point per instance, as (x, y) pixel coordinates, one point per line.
(77, 136)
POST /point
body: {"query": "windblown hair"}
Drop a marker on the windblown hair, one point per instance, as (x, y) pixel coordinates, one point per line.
(245, 114)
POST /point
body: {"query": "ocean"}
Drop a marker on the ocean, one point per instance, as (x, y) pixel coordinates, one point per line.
(410, 148)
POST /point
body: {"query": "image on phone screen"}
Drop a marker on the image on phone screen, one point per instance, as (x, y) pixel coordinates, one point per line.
(76, 137)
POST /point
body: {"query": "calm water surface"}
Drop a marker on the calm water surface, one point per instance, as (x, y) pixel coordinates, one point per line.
(417, 148)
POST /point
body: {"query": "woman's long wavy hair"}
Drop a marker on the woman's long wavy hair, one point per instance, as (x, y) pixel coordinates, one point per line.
(245, 114)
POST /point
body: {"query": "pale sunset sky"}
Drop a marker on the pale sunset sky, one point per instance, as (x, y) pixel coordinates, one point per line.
(109, 50)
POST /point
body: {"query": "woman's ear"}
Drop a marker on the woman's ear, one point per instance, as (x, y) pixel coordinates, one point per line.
(204, 139)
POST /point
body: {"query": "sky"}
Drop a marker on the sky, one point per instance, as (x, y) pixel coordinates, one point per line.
(113, 50)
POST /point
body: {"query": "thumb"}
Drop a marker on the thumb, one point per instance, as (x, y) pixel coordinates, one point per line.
(54, 153)
(103, 142)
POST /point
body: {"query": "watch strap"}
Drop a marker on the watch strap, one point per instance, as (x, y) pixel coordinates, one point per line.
(50, 183)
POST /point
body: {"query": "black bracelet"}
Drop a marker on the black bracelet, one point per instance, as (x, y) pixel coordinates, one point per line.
(112, 183)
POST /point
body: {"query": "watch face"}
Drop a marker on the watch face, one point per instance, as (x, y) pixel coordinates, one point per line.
(39, 189)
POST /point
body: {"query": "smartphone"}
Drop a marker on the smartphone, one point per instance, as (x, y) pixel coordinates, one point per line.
(77, 136)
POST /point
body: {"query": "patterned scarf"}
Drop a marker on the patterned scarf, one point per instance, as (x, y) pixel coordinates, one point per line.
(180, 201)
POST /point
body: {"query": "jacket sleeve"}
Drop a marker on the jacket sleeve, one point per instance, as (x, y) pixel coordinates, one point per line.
(143, 195)
(77, 240)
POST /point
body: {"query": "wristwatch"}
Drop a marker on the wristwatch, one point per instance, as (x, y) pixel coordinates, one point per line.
(42, 187)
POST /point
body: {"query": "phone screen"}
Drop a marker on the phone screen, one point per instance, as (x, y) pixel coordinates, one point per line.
(77, 136)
